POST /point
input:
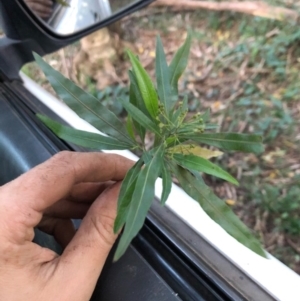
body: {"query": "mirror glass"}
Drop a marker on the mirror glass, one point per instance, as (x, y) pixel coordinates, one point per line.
(70, 16)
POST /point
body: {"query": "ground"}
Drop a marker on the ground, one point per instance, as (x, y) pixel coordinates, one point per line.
(246, 70)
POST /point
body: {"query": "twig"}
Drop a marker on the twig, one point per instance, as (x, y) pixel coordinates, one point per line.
(295, 166)
(228, 101)
(293, 245)
(258, 70)
(145, 13)
(212, 82)
(260, 67)
(204, 76)
(257, 8)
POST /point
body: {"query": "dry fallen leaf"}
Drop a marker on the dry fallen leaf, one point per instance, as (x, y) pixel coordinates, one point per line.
(269, 157)
(230, 202)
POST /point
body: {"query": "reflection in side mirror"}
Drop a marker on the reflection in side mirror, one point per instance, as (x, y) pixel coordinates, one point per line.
(70, 16)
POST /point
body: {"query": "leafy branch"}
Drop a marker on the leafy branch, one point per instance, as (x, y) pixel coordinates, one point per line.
(176, 151)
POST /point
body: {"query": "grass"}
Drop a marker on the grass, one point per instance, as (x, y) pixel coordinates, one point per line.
(246, 71)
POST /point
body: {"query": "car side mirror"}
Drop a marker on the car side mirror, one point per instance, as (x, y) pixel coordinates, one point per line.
(65, 17)
(44, 26)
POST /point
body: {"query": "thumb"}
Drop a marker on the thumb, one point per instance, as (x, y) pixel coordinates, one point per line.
(85, 256)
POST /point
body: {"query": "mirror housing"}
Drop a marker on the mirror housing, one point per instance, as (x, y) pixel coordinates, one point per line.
(66, 17)
(25, 33)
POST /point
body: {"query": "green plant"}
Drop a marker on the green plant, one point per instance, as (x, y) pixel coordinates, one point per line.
(175, 150)
(109, 95)
(284, 204)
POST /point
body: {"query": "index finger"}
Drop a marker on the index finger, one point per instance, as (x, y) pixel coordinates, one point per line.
(50, 181)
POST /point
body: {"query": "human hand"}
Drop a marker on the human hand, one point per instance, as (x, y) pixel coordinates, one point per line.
(66, 186)
(42, 8)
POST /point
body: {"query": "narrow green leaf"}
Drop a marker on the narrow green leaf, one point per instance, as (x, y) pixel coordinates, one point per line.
(179, 64)
(83, 138)
(141, 201)
(216, 209)
(145, 85)
(211, 126)
(163, 76)
(206, 115)
(140, 117)
(203, 165)
(171, 141)
(129, 127)
(184, 108)
(136, 99)
(230, 141)
(167, 183)
(147, 156)
(84, 104)
(180, 113)
(125, 195)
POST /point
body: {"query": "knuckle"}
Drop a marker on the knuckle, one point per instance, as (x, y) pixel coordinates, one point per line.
(64, 159)
(104, 228)
(63, 156)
